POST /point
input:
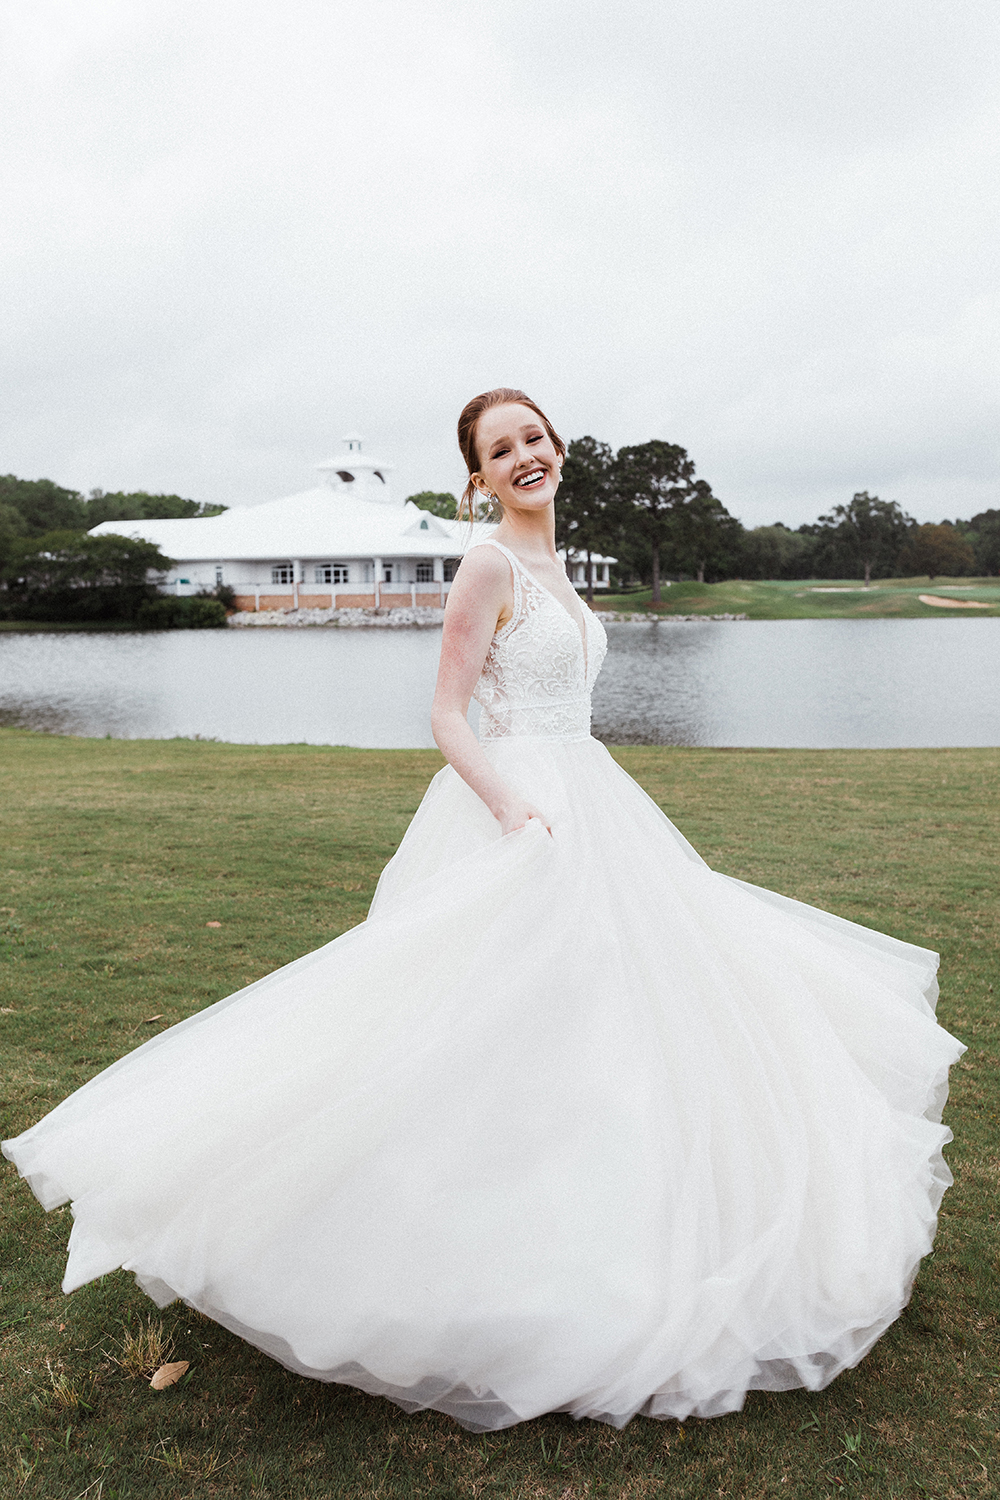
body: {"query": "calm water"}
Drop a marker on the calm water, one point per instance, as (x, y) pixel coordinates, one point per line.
(807, 683)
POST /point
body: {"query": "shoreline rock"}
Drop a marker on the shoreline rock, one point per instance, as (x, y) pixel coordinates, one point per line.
(350, 619)
(612, 617)
(408, 618)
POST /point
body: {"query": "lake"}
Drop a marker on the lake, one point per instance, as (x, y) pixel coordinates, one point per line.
(794, 683)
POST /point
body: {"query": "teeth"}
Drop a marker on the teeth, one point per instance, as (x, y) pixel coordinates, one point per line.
(530, 479)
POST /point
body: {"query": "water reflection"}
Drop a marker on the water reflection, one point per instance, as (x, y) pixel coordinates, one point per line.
(808, 683)
(812, 684)
(322, 687)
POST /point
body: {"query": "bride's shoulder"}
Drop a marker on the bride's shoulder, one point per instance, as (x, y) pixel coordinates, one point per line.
(483, 563)
(481, 597)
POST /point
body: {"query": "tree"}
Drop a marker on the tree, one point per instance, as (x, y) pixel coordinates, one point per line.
(13, 527)
(672, 511)
(936, 549)
(42, 505)
(68, 575)
(439, 503)
(867, 534)
(585, 503)
(983, 535)
(708, 537)
(141, 506)
(652, 478)
(776, 552)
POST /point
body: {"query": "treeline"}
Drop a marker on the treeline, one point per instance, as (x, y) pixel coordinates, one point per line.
(51, 570)
(31, 507)
(873, 538)
(642, 505)
(645, 506)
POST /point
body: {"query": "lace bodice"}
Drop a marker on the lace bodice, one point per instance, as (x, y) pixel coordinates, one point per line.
(538, 674)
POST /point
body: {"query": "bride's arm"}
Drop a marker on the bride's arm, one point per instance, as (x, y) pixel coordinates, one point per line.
(478, 600)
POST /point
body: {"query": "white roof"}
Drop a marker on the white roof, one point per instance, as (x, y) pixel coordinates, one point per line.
(318, 523)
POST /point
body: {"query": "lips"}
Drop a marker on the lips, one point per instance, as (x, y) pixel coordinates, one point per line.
(530, 480)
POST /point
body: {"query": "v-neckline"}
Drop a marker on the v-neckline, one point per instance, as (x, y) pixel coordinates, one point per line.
(581, 628)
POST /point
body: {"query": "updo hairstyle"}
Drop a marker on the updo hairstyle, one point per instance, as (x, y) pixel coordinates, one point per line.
(504, 395)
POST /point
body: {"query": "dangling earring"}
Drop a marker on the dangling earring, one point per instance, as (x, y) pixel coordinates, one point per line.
(494, 510)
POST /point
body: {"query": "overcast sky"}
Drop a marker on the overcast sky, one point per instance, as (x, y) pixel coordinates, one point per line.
(767, 230)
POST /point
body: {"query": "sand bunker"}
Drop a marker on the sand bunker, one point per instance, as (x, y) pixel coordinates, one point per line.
(940, 603)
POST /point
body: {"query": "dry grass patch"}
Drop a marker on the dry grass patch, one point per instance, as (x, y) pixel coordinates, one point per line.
(144, 1349)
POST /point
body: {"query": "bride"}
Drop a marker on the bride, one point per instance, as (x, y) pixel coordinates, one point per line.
(571, 1122)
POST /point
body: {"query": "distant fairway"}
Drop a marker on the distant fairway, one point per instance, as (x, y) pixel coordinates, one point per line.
(813, 599)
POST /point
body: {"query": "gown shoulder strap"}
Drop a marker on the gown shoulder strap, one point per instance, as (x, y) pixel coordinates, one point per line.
(508, 554)
(515, 570)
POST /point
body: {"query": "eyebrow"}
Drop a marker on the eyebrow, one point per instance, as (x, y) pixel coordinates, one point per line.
(505, 439)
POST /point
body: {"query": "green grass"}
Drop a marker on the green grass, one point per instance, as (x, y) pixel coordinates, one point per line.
(27, 627)
(889, 598)
(115, 856)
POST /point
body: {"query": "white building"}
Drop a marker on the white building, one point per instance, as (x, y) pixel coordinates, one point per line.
(347, 542)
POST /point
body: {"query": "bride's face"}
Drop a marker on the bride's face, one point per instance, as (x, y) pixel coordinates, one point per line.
(518, 460)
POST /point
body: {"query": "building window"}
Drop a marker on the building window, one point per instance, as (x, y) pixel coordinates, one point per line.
(332, 573)
(218, 576)
(425, 572)
(450, 568)
(387, 572)
(283, 573)
(424, 526)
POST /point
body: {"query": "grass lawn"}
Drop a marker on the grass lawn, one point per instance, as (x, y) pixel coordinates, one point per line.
(116, 854)
(815, 599)
(28, 627)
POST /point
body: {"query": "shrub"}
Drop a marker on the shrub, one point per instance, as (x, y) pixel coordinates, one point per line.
(169, 613)
(224, 592)
(70, 576)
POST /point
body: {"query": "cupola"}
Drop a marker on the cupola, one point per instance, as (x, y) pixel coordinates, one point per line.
(358, 474)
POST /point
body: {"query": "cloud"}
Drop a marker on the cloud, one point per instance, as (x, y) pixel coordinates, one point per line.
(765, 231)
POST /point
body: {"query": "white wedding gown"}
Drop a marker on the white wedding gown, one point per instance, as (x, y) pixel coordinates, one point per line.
(570, 1123)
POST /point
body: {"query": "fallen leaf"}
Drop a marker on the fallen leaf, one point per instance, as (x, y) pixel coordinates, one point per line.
(169, 1374)
(150, 1019)
(213, 924)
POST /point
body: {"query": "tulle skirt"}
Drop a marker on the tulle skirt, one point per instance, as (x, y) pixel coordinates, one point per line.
(570, 1123)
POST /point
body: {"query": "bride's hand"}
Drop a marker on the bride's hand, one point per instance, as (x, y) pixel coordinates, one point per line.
(517, 814)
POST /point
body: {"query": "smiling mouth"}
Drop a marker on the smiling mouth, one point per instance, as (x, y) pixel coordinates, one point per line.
(530, 480)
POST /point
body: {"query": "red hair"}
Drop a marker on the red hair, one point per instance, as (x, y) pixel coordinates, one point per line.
(504, 395)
